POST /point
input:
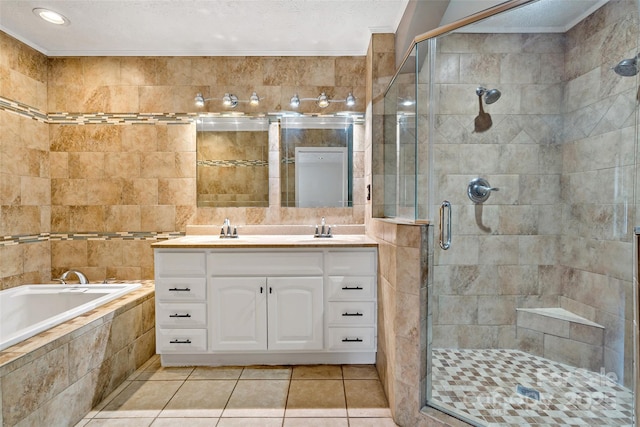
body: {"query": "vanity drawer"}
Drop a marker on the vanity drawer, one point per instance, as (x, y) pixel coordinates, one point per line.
(343, 288)
(180, 263)
(352, 339)
(185, 315)
(181, 340)
(352, 313)
(354, 263)
(181, 289)
(265, 263)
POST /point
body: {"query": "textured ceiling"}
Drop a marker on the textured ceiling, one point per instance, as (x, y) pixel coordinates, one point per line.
(202, 27)
(253, 27)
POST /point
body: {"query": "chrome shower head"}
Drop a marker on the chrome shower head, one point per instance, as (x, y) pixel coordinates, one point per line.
(627, 67)
(490, 95)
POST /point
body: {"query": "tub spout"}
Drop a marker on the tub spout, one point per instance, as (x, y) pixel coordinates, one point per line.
(81, 277)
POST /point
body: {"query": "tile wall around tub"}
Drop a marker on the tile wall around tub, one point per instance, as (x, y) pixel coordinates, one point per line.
(25, 195)
(56, 377)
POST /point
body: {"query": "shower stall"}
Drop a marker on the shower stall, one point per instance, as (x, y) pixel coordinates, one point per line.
(514, 133)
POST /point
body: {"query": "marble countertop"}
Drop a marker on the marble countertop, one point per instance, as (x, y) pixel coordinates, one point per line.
(268, 241)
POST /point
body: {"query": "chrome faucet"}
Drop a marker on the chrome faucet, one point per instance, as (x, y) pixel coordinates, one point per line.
(225, 231)
(81, 277)
(324, 230)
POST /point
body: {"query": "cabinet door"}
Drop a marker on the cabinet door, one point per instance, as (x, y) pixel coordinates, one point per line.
(238, 313)
(295, 313)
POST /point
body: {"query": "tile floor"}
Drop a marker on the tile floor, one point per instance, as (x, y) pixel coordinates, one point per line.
(481, 385)
(265, 396)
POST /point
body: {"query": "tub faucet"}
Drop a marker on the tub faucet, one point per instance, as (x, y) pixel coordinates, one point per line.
(81, 277)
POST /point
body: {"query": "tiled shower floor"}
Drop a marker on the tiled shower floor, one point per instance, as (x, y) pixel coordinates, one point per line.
(481, 386)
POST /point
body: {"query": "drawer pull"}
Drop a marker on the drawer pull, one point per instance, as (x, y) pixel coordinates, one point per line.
(187, 341)
(352, 314)
(180, 289)
(348, 288)
(352, 340)
(180, 315)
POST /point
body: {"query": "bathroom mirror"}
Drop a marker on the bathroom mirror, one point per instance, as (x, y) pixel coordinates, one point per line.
(232, 161)
(316, 161)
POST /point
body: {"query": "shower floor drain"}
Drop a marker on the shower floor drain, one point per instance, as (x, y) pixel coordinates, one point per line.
(528, 392)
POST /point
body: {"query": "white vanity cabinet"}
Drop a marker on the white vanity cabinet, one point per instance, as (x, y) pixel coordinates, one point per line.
(266, 300)
(255, 305)
(266, 313)
(181, 307)
(351, 300)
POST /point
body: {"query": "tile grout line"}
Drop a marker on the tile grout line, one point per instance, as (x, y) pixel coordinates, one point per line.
(172, 396)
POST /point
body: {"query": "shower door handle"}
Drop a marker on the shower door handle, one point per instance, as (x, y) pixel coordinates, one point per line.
(445, 243)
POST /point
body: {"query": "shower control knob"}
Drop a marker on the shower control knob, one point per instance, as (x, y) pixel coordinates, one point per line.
(479, 190)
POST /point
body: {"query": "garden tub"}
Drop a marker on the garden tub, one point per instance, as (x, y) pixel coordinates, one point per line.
(30, 309)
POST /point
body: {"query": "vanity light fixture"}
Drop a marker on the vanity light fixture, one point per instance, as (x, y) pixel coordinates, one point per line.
(322, 100)
(229, 100)
(51, 16)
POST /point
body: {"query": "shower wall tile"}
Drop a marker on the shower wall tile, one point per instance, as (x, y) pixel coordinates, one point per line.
(457, 310)
(572, 134)
(542, 250)
(520, 68)
(464, 252)
(480, 68)
(498, 250)
(499, 310)
(447, 69)
(573, 352)
(542, 99)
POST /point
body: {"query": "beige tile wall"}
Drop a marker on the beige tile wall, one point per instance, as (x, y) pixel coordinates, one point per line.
(112, 178)
(25, 201)
(160, 160)
(233, 185)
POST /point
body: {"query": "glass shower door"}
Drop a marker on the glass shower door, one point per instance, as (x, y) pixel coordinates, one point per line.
(531, 308)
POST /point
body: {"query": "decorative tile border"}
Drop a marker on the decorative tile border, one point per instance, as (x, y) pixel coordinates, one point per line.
(120, 235)
(119, 118)
(22, 109)
(231, 163)
(96, 118)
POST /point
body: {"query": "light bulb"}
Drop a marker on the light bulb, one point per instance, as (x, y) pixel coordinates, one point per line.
(51, 16)
(295, 101)
(323, 100)
(199, 100)
(229, 100)
(254, 99)
(351, 100)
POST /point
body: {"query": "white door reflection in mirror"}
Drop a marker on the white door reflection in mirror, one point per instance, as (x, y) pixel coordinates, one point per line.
(321, 177)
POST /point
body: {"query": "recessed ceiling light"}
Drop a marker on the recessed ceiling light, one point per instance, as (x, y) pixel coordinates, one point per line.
(51, 16)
